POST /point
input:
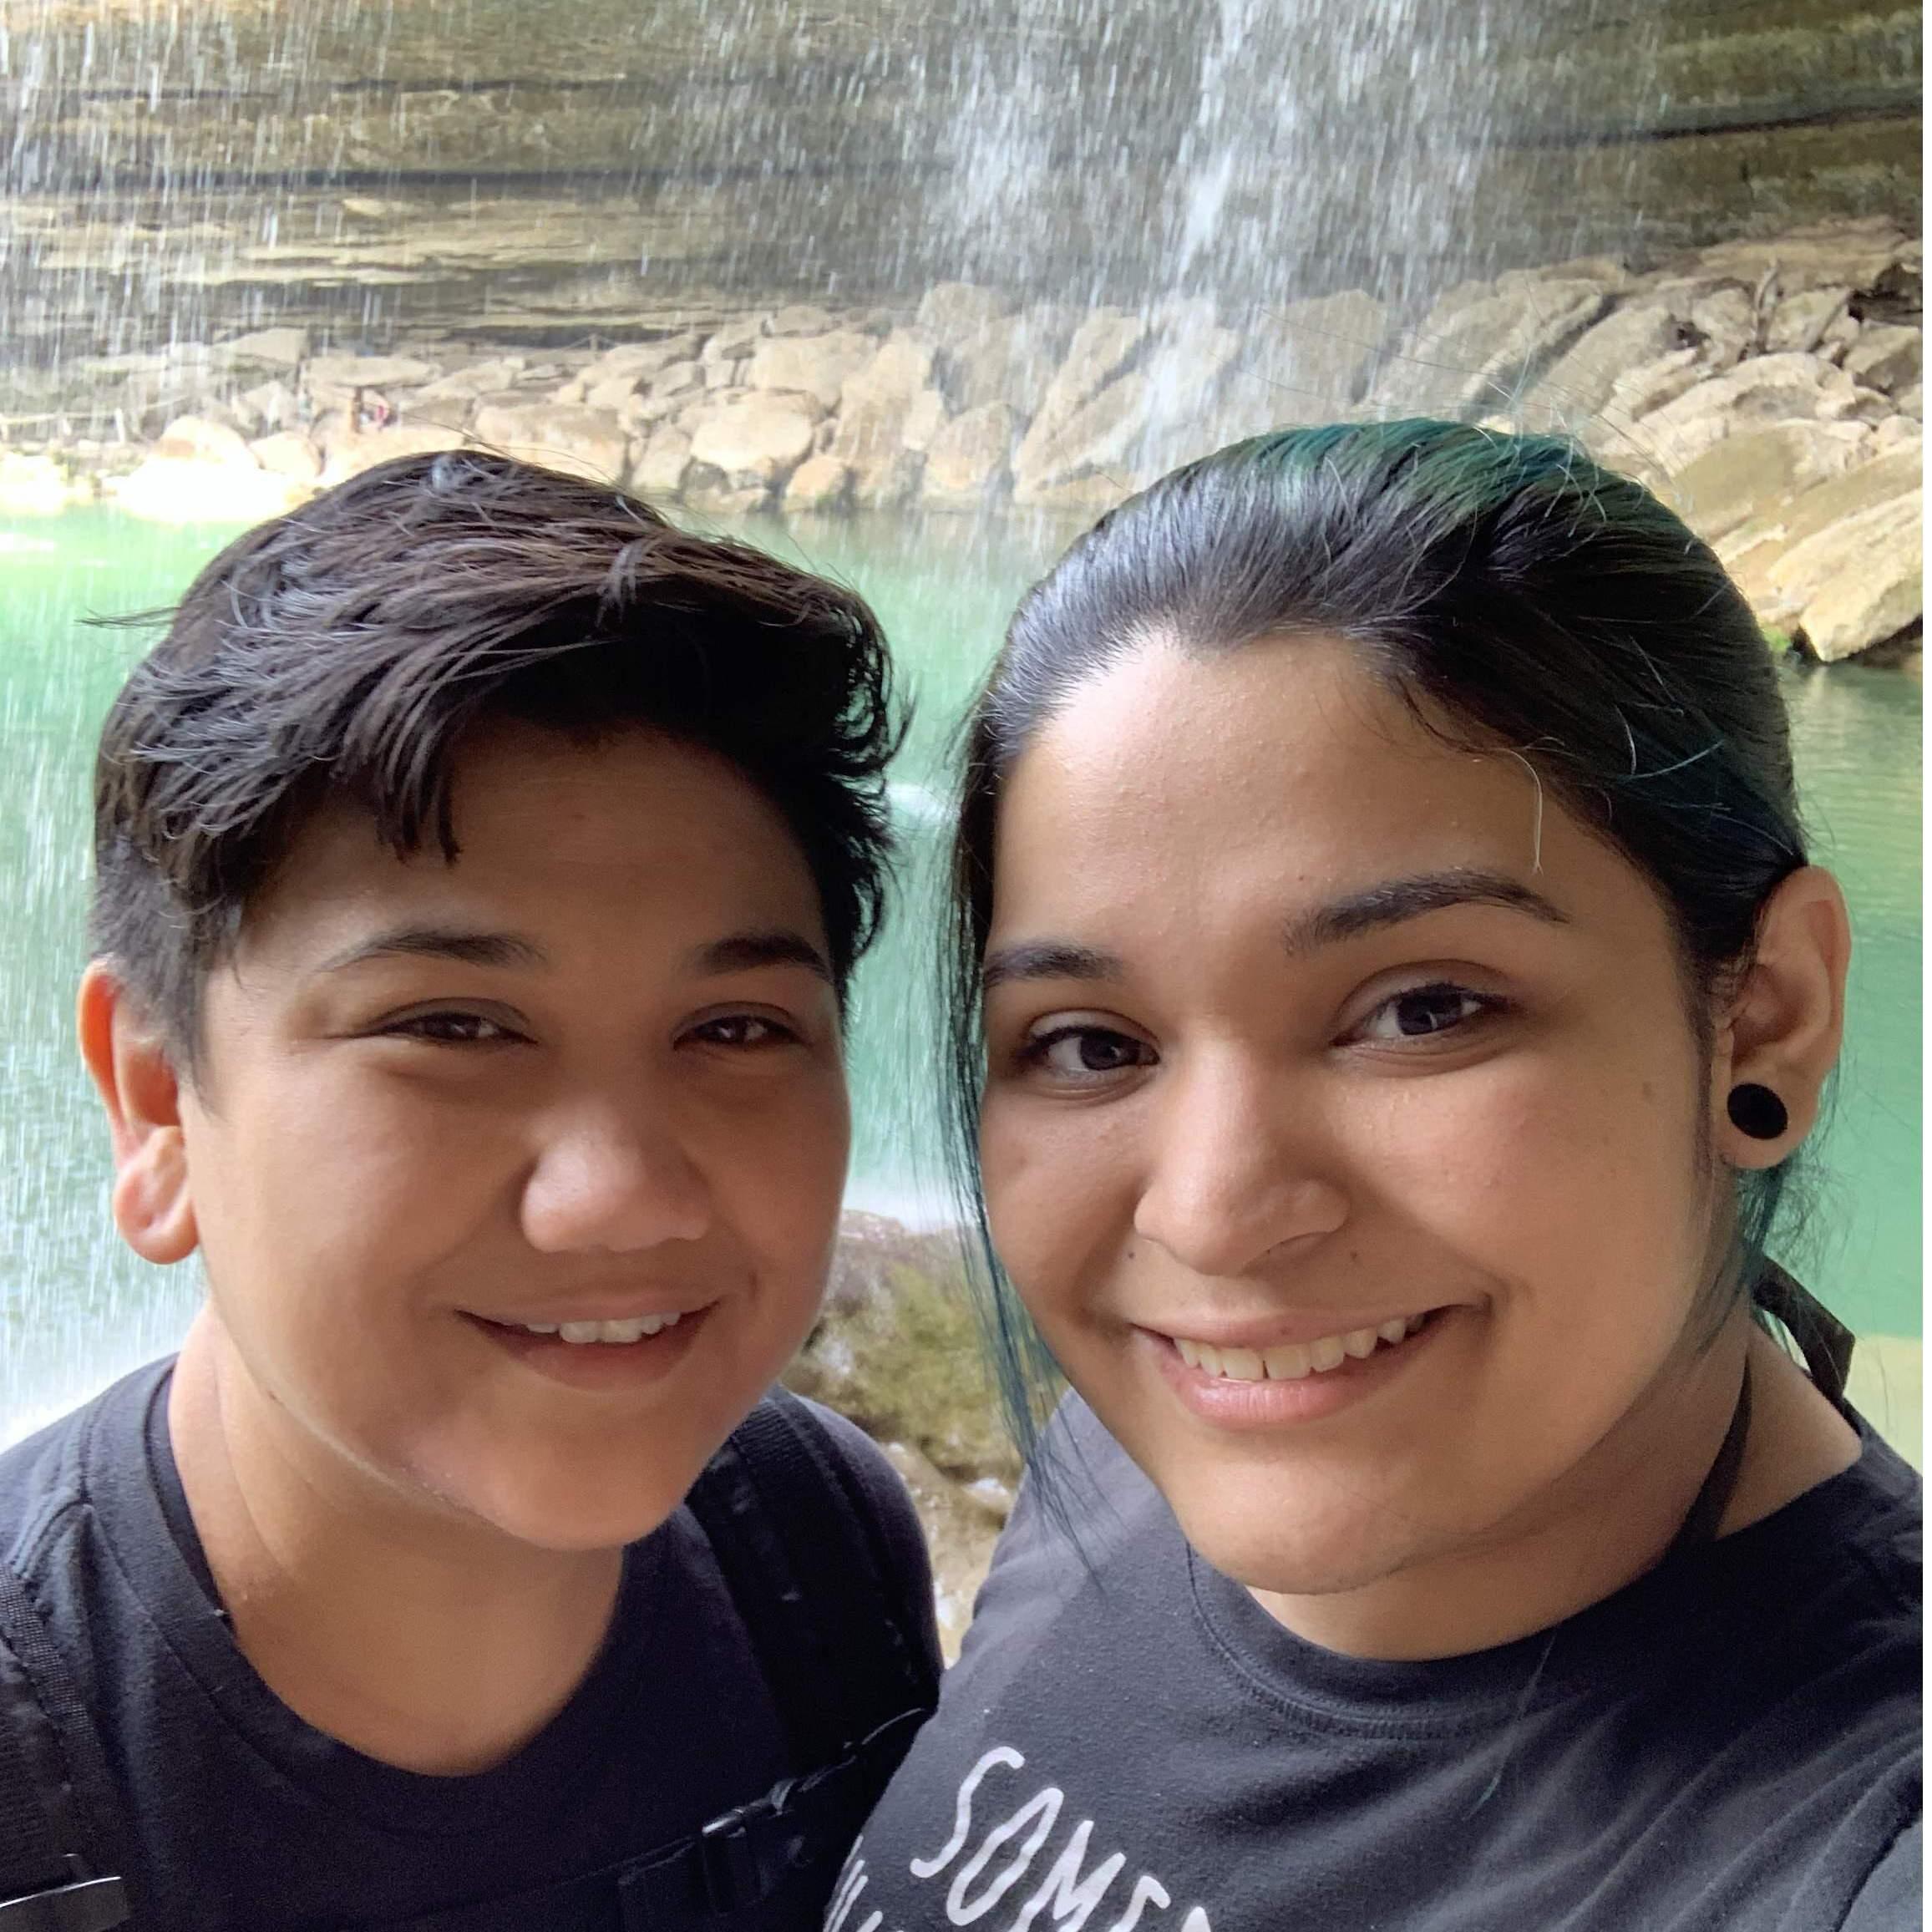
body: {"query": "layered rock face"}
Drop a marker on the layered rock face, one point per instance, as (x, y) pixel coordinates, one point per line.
(1770, 390)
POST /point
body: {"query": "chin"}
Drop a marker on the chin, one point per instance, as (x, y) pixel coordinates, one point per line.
(575, 1523)
(1265, 1548)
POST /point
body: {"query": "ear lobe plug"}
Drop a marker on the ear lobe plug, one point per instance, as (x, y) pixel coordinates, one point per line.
(1757, 1111)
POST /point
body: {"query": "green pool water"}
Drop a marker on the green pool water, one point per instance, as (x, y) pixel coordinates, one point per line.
(75, 1308)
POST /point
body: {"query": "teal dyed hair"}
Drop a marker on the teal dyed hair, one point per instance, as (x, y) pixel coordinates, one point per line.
(1519, 597)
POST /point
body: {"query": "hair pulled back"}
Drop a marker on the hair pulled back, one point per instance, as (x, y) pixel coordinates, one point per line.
(1517, 596)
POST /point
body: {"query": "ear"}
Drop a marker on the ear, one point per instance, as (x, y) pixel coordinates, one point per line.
(1786, 1017)
(134, 1075)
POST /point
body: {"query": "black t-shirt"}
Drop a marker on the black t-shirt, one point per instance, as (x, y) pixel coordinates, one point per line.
(1130, 1743)
(241, 1818)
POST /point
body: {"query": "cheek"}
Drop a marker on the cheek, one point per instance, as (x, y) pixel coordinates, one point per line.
(1060, 1191)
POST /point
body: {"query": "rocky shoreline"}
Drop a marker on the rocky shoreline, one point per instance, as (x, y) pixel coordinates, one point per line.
(1771, 389)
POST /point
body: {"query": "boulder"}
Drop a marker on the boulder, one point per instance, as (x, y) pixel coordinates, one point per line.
(195, 438)
(1307, 361)
(925, 418)
(180, 490)
(275, 349)
(659, 470)
(1799, 322)
(1579, 385)
(288, 453)
(896, 1347)
(1873, 584)
(725, 375)
(1785, 556)
(682, 378)
(269, 406)
(579, 442)
(962, 1523)
(1101, 349)
(1765, 390)
(734, 342)
(816, 365)
(951, 312)
(798, 318)
(753, 443)
(1885, 357)
(334, 379)
(1185, 373)
(874, 415)
(1480, 346)
(499, 374)
(1734, 479)
(965, 462)
(1011, 359)
(711, 492)
(1098, 439)
(1726, 318)
(348, 453)
(1845, 254)
(819, 482)
(37, 486)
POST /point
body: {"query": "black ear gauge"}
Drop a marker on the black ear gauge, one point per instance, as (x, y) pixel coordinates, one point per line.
(1757, 1111)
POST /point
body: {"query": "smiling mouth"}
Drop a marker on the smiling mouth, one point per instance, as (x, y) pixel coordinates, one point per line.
(621, 1333)
(1296, 1360)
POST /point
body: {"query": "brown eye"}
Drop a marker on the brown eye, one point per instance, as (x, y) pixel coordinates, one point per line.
(1083, 1052)
(747, 1031)
(451, 1030)
(1423, 1010)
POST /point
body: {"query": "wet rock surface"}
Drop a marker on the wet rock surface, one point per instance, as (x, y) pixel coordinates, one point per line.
(1738, 381)
(896, 1348)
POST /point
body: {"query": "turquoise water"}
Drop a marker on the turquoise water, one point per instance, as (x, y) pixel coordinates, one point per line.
(75, 1308)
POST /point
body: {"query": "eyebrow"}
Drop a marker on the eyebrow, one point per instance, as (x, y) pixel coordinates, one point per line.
(743, 951)
(1048, 960)
(1397, 900)
(1387, 904)
(467, 948)
(737, 952)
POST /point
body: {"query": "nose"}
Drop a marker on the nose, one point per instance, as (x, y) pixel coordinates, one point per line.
(1234, 1172)
(613, 1176)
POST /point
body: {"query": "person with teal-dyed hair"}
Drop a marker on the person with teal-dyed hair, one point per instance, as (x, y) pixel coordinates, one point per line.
(1390, 994)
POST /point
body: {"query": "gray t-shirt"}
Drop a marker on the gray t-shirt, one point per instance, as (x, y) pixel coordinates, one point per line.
(241, 1818)
(1129, 1743)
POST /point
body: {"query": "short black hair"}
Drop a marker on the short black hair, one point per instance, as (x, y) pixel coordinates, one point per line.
(340, 651)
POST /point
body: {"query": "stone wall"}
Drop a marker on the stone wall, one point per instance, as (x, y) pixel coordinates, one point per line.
(1772, 390)
(176, 172)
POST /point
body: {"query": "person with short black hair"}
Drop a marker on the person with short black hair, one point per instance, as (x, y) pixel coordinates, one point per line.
(1390, 990)
(480, 865)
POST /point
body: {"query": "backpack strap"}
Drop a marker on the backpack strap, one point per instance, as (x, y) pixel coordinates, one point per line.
(53, 1779)
(804, 1560)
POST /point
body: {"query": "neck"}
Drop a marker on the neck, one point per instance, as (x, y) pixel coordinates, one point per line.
(421, 1637)
(1607, 1520)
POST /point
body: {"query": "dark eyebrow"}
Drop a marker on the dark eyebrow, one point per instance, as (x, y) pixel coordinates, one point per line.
(744, 950)
(1396, 900)
(485, 949)
(1048, 959)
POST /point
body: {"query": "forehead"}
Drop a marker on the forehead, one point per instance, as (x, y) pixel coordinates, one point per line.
(619, 837)
(1283, 767)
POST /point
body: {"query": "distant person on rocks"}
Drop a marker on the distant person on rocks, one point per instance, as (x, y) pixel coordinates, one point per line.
(1392, 994)
(481, 864)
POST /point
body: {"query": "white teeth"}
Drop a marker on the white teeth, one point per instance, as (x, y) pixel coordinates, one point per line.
(1289, 1363)
(631, 1328)
(1291, 1360)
